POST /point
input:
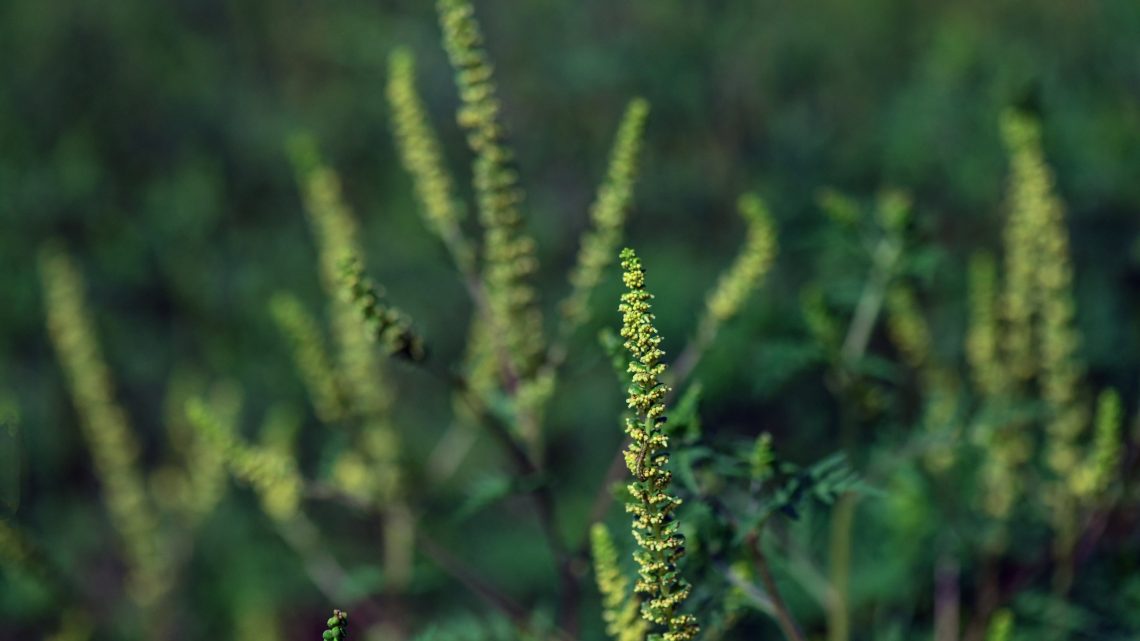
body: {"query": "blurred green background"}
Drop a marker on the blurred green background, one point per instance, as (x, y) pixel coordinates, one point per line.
(150, 138)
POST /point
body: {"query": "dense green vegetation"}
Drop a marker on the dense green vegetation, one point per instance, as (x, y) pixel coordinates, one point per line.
(281, 336)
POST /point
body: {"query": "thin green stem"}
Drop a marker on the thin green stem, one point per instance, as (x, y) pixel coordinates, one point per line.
(784, 617)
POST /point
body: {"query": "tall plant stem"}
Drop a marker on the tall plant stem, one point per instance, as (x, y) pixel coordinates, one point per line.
(784, 617)
(883, 261)
(541, 496)
(838, 619)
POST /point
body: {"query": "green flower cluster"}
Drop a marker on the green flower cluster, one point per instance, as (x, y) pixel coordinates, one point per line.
(654, 526)
(620, 609)
(421, 156)
(508, 253)
(309, 355)
(750, 266)
(337, 233)
(337, 627)
(982, 338)
(607, 214)
(384, 324)
(271, 472)
(105, 426)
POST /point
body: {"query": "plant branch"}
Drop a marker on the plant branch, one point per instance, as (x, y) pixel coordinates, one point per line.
(883, 261)
(784, 617)
(323, 569)
(541, 495)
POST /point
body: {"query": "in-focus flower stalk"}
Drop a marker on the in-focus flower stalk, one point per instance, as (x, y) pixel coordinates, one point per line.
(655, 528)
(337, 627)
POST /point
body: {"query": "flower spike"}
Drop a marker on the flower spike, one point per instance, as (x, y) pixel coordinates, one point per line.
(654, 526)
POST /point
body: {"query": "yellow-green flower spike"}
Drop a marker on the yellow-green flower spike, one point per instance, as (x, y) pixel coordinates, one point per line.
(907, 327)
(1035, 206)
(1028, 184)
(421, 156)
(384, 324)
(337, 627)
(986, 367)
(1103, 463)
(654, 526)
(763, 458)
(336, 233)
(332, 222)
(368, 398)
(205, 470)
(508, 253)
(195, 481)
(370, 472)
(620, 608)
(607, 215)
(751, 265)
(1001, 626)
(309, 355)
(910, 332)
(272, 473)
(104, 425)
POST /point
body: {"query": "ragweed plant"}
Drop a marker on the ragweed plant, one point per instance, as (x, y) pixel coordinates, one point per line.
(370, 470)
(508, 253)
(621, 608)
(509, 374)
(1055, 339)
(272, 473)
(1020, 427)
(607, 215)
(654, 526)
(384, 324)
(310, 356)
(738, 281)
(751, 265)
(105, 426)
(420, 153)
